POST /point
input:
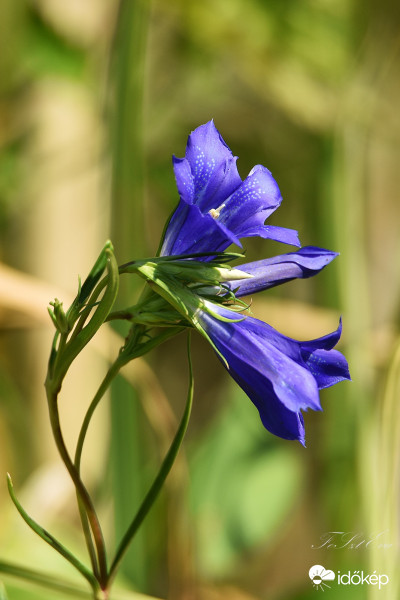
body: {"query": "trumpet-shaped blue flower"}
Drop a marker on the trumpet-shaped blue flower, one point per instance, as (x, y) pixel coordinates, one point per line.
(269, 272)
(216, 207)
(281, 376)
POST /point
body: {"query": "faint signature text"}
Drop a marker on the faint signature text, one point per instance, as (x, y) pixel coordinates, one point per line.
(352, 540)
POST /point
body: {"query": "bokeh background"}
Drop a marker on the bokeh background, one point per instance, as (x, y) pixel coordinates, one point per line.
(95, 97)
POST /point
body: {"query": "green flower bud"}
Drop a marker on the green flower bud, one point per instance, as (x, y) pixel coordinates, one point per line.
(191, 271)
(58, 316)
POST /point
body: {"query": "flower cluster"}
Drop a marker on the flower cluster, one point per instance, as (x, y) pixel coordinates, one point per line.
(281, 376)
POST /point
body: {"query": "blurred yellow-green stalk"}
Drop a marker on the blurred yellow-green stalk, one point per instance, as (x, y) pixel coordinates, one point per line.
(95, 97)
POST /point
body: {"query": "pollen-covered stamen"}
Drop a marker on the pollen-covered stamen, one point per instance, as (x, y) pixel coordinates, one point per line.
(215, 212)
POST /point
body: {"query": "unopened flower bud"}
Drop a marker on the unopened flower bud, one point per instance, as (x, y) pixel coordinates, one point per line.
(58, 316)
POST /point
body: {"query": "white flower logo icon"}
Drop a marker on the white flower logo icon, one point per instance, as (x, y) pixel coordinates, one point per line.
(319, 575)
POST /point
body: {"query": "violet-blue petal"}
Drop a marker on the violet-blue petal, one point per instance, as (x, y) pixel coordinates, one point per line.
(212, 165)
(327, 366)
(282, 422)
(281, 376)
(264, 359)
(275, 417)
(208, 178)
(326, 342)
(191, 231)
(269, 272)
(184, 179)
(246, 210)
(277, 234)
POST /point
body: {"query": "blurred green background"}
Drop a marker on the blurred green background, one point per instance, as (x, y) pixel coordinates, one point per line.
(95, 97)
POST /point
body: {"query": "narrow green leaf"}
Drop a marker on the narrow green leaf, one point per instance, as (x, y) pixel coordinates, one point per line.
(158, 482)
(95, 274)
(217, 257)
(43, 579)
(50, 539)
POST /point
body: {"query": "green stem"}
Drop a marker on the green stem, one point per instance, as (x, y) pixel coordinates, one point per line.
(110, 375)
(88, 537)
(81, 491)
(160, 478)
(60, 360)
(112, 372)
(126, 356)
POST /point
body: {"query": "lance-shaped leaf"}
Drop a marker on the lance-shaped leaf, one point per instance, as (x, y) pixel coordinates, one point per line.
(49, 538)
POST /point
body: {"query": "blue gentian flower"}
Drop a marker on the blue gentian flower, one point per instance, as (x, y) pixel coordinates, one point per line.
(216, 207)
(280, 375)
(269, 272)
